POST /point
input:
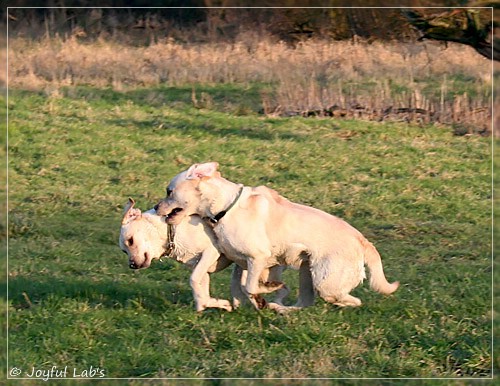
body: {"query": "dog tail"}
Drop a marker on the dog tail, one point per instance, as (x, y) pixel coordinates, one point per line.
(378, 282)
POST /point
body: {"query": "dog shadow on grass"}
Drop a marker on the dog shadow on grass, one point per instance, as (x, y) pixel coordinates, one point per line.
(195, 121)
(113, 293)
(208, 125)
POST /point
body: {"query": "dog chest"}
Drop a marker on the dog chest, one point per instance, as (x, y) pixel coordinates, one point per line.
(188, 259)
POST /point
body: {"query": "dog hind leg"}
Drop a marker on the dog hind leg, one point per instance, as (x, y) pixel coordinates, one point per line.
(238, 279)
(335, 276)
(306, 288)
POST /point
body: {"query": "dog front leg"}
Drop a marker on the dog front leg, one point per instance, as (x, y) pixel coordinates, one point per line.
(199, 282)
(274, 279)
(213, 302)
(201, 291)
(255, 268)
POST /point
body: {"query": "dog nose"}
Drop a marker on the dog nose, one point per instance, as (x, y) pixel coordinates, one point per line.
(132, 265)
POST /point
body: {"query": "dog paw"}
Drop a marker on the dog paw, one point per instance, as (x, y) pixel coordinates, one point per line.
(281, 309)
(221, 303)
(236, 303)
(215, 303)
(226, 305)
(260, 301)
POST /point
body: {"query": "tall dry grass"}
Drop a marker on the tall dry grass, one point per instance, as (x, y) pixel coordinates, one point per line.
(451, 85)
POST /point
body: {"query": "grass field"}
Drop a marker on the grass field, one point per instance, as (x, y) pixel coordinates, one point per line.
(420, 194)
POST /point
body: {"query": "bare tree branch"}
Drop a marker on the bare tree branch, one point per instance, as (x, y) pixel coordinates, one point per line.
(460, 26)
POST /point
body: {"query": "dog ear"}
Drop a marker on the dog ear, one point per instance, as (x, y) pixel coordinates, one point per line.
(202, 170)
(130, 213)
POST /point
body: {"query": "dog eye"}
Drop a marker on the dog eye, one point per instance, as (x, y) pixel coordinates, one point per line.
(169, 192)
(130, 241)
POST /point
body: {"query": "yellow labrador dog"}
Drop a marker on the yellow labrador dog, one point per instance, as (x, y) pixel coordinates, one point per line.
(265, 229)
(145, 236)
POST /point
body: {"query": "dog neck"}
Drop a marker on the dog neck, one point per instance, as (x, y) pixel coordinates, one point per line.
(166, 233)
(216, 218)
(226, 195)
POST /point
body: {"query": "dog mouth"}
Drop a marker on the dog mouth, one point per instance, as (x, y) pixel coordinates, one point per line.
(134, 265)
(173, 213)
(144, 264)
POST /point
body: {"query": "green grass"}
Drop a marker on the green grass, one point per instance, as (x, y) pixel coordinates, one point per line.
(420, 194)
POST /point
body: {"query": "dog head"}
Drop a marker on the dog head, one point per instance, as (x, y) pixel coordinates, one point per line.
(143, 236)
(186, 191)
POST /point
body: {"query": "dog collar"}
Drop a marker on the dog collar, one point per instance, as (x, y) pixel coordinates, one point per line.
(169, 250)
(215, 219)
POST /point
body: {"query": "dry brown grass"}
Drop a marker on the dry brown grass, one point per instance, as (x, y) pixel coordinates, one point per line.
(103, 62)
(453, 83)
